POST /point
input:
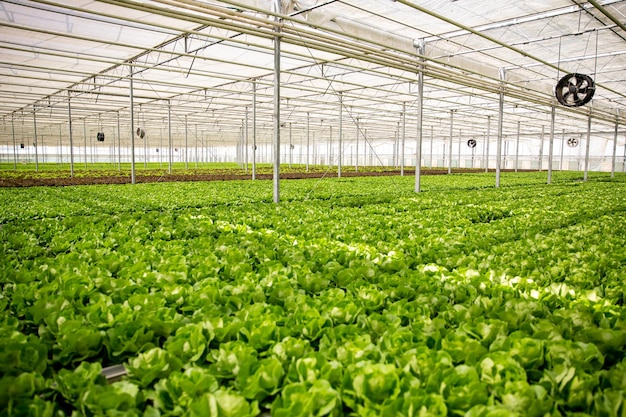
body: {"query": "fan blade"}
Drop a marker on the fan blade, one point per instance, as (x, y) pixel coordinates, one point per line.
(566, 96)
(579, 81)
(577, 99)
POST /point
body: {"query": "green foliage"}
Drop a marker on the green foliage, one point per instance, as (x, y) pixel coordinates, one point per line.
(351, 297)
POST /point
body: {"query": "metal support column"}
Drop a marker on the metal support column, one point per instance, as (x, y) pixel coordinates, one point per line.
(403, 139)
(14, 146)
(551, 144)
(500, 124)
(562, 149)
(587, 146)
(290, 146)
(246, 144)
(615, 144)
(356, 160)
(420, 113)
(541, 149)
(450, 143)
(276, 177)
(253, 130)
(35, 142)
(186, 144)
(119, 143)
(517, 148)
(85, 138)
(340, 134)
(133, 177)
(169, 133)
(69, 118)
(308, 139)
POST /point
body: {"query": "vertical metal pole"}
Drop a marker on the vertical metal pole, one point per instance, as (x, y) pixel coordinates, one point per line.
(196, 149)
(119, 143)
(541, 149)
(169, 132)
(290, 146)
(133, 177)
(113, 149)
(500, 125)
(145, 145)
(420, 113)
(340, 134)
(487, 139)
(308, 139)
(246, 144)
(254, 130)
(278, 6)
(450, 143)
(69, 118)
(186, 145)
(356, 161)
(314, 148)
(562, 149)
(85, 138)
(403, 139)
(473, 152)
(35, 142)
(517, 147)
(586, 175)
(614, 144)
(551, 144)
(14, 146)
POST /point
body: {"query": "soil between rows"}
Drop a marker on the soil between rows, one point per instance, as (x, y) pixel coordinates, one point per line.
(89, 180)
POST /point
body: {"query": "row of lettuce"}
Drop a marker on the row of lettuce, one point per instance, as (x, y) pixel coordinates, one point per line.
(354, 297)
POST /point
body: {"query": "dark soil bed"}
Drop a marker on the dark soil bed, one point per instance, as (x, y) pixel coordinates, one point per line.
(66, 181)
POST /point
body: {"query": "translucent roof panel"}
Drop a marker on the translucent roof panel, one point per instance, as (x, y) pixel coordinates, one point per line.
(214, 59)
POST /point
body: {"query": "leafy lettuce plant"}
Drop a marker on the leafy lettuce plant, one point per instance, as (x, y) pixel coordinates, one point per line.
(222, 403)
(301, 399)
(151, 365)
(370, 385)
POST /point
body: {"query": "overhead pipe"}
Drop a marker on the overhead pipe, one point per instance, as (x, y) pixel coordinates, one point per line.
(608, 14)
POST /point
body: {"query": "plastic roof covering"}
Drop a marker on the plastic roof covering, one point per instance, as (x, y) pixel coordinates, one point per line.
(208, 64)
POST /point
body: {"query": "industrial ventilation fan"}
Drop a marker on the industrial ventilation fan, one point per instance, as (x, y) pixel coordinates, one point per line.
(575, 90)
(100, 137)
(471, 143)
(141, 133)
(572, 142)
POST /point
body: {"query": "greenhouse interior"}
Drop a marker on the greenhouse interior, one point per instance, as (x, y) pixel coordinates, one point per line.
(151, 268)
